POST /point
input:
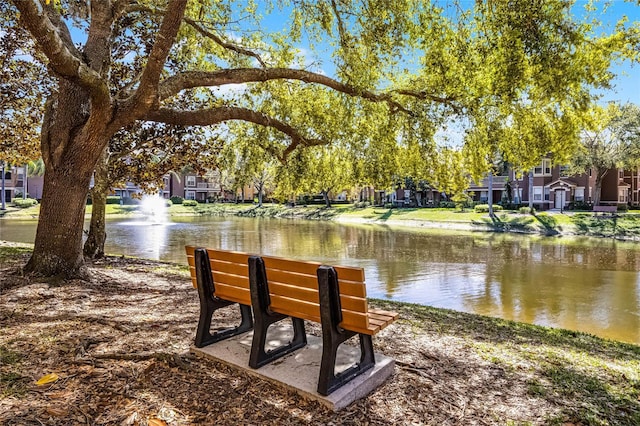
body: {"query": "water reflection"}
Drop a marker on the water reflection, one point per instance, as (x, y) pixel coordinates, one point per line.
(583, 284)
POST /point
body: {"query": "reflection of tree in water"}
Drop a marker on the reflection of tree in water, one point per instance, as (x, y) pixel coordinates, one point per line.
(572, 287)
(531, 279)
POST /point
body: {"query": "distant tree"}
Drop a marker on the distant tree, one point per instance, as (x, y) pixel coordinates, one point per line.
(601, 148)
(326, 169)
(451, 176)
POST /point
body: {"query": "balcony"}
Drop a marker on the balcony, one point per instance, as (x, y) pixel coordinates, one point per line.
(499, 183)
(207, 186)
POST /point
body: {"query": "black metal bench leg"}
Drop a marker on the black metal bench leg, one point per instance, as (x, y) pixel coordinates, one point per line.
(265, 318)
(209, 304)
(333, 336)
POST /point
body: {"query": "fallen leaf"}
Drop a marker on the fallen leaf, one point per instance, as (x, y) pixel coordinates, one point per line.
(56, 412)
(131, 420)
(49, 378)
(156, 422)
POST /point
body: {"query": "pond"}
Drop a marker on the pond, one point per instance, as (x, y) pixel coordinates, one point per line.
(584, 284)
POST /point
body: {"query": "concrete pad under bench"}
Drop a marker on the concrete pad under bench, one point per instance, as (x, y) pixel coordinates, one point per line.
(299, 371)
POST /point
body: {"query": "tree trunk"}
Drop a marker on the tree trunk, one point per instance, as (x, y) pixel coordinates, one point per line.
(58, 244)
(530, 192)
(597, 191)
(327, 202)
(24, 183)
(598, 186)
(71, 146)
(3, 203)
(94, 246)
(490, 195)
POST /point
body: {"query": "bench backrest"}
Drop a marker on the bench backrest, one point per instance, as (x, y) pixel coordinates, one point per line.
(293, 286)
(293, 290)
(230, 270)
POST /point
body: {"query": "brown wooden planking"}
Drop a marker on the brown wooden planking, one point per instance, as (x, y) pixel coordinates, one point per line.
(194, 279)
(230, 268)
(310, 268)
(230, 280)
(229, 256)
(349, 288)
(391, 314)
(311, 295)
(299, 274)
(310, 311)
(234, 294)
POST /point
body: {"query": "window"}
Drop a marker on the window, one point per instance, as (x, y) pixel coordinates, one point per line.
(484, 196)
(190, 195)
(537, 193)
(621, 174)
(564, 171)
(543, 169)
(622, 195)
(579, 194)
(546, 193)
(191, 181)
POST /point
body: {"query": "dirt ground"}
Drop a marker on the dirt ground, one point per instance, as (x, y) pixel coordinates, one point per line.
(120, 347)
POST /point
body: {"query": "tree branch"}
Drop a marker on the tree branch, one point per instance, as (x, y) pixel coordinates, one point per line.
(224, 114)
(60, 52)
(145, 96)
(190, 79)
(422, 95)
(226, 45)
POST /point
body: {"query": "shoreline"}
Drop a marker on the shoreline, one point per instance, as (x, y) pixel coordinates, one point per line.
(623, 227)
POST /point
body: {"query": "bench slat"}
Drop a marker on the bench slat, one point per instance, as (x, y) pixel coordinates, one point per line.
(310, 268)
(349, 288)
(234, 294)
(230, 280)
(311, 311)
(229, 256)
(308, 295)
(230, 268)
(383, 315)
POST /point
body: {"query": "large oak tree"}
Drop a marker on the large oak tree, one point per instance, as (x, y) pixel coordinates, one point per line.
(140, 55)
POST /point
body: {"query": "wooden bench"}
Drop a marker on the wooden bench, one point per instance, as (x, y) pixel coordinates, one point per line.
(276, 288)
(605, 209)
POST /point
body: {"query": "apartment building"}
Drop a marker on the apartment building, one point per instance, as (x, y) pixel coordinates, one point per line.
(552, 187)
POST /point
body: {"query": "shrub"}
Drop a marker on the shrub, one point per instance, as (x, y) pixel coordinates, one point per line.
(526, 210)
(23, 203)
(361, 204)
(189, 203)
(176, 199)
(168, 203)
(579, 205)
(113, 199)
(484, 208)
(447, 205)
(388, 205)
(623, 207)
